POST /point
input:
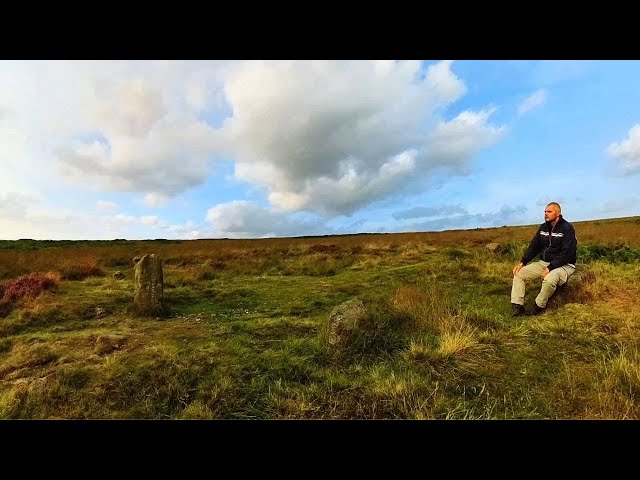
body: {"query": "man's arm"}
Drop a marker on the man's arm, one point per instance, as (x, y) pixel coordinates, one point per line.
(534, 248)
(567, 251)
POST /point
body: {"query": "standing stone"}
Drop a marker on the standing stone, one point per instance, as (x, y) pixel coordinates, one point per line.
(345, 319)
(148, 284)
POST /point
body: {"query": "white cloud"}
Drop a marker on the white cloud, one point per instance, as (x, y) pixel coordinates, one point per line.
(14, 204)
(172, 157)
(535, 100)
(118, 223)
(244, 219)
(118, 125)
(352, 188)
(48, 223)
(453, 143)
(107, 206)
(627, 151)
(155, 199)
(186, 231)
(323, 136)
(152, 220)
(333, 136)
(139, 108)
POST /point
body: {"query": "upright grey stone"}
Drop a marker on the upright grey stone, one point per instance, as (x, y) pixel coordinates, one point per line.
(344, 319)
(148, 283)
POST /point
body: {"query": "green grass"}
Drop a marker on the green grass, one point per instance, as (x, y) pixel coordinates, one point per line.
(246, 328)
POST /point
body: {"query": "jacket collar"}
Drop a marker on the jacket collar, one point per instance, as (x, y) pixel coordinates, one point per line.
(560, 220)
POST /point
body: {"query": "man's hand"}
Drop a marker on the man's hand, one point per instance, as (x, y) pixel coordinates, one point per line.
(545, 272)
(517, 268)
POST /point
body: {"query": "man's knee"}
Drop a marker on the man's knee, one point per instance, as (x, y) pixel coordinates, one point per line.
(551, 279)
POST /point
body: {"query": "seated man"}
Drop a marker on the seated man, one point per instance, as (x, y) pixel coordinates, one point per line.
(556, 243)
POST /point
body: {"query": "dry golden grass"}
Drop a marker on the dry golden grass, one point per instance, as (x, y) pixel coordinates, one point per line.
(197, 411)
(418, 351)
(431, 308)
(458, 339)
(224, 252)
(618, 387)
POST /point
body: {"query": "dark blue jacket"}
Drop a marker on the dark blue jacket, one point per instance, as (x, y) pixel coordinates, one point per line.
(556, 245)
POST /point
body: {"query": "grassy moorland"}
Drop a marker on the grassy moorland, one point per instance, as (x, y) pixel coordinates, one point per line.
(245, 332)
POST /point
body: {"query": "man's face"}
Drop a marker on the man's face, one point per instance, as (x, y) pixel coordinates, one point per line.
(551, 212)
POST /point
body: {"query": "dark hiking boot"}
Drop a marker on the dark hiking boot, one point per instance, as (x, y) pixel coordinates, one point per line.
(517, 310)
(536, 310)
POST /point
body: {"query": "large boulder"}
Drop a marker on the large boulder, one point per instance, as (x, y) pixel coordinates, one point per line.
(345, 319)
(148, 284)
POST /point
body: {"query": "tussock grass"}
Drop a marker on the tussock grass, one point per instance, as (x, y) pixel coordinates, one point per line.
(82, 271)
(197, 411)
(457, 340)
(620, 377)
(431, 307)
(419, 350)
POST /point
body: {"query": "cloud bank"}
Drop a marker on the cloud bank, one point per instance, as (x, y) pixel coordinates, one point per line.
(627, 151)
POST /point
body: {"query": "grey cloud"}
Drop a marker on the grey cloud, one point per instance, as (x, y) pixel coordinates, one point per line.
(244, 219)
(505, 216)
(419, 212)
(321, 136)
(173, 157)
(326, 136)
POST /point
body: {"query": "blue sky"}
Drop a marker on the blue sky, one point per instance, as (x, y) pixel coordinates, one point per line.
(249, 149)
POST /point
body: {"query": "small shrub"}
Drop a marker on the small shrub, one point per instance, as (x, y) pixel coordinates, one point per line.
(82, 271)
(513, 249)
(29, 285)
(617, 253)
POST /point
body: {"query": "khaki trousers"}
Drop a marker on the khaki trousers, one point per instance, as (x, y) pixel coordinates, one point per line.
(554, 278)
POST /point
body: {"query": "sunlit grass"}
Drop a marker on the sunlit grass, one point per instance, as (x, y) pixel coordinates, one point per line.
(245, 336)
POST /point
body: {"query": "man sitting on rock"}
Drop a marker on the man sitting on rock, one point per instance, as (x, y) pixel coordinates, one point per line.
(556, 243)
